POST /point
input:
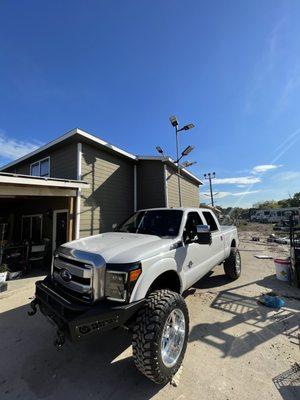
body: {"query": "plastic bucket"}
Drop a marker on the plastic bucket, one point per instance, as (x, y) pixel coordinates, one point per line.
(282, 267)
(3, 276)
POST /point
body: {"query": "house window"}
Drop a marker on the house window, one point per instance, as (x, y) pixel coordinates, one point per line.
(32, 228)
(40, 168)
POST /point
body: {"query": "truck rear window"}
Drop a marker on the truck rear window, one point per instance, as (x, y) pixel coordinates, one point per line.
(153, 222)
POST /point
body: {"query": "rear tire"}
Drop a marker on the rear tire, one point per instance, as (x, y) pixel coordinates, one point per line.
(233, 265)
(160, 335)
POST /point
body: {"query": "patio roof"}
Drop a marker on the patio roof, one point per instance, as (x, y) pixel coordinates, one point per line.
(12, 185)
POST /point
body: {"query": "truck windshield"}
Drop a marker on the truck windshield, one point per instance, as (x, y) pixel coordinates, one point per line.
(153, 222)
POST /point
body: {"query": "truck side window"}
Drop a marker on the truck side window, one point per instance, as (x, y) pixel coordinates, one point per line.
(210, 220)
(193, 219)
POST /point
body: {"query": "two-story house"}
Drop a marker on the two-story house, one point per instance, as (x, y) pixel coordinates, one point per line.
(79, 185)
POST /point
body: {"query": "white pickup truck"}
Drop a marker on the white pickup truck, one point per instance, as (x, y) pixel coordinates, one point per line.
(134, 277)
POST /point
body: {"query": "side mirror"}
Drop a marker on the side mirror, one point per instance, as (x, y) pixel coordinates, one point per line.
(203, 234)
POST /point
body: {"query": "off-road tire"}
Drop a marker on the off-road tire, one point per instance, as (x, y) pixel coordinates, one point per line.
(231, 268)
(147, 333)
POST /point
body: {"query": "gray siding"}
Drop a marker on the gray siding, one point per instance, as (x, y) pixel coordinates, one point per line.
(189, 190)
(63, 162)
(110, 197)
(150, 184)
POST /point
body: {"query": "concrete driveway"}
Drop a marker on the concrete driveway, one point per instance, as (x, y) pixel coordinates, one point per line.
(237, 349)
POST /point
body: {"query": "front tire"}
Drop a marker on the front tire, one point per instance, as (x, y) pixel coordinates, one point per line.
(233, 264)
(160, 335)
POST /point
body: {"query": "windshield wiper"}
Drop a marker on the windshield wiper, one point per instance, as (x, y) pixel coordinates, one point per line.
(146, 231)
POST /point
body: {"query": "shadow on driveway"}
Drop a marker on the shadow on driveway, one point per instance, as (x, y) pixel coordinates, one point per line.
(31, 367)
(254, 323)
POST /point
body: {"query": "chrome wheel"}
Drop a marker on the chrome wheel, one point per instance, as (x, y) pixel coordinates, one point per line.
(172, 339)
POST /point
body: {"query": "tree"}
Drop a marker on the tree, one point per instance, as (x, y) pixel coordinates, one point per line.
(295, 201)
(266, 204)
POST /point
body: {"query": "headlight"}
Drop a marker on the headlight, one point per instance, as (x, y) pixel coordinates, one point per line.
(115, 285)
(120, 281)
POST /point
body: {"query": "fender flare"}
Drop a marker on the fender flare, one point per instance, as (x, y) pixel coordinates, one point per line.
(151, 273)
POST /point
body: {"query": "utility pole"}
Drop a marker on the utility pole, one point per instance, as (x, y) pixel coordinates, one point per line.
(210, 176)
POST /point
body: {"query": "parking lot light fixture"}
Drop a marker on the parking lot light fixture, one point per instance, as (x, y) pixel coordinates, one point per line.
(174, 120)
(159, 150)
(187, 151)
(187, 127)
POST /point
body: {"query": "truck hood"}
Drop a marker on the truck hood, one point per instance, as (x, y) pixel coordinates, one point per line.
(118, 247)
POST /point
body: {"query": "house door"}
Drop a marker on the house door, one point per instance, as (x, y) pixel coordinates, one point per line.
(60, 228)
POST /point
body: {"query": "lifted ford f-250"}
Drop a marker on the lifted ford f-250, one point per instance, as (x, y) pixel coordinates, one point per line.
(134, 277)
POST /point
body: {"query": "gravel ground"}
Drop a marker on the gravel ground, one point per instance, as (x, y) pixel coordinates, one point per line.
(237, 349)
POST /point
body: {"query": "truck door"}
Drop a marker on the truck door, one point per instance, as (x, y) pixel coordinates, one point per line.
(216, 250)
(195, 256)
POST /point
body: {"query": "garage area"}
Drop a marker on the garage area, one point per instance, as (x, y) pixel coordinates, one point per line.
(36, 215)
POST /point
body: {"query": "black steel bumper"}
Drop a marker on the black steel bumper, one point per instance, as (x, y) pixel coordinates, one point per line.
(77, 320)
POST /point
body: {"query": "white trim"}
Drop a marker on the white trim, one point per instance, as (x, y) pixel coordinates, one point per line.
(106, 144)
(40, 149)
(78, 197)
(39, 163)
(79, 159)
(55, 212)
(67, 135)
(153, 158)
(31, 215)
(166, 186)
(40, 181)
(134, 188)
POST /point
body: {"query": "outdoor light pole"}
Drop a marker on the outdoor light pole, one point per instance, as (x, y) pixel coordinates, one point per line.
(210, 176)
(174, 123)
(178, 167)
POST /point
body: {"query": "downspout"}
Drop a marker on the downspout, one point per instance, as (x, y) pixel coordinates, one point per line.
(134, 188)
(166, 186)
(78, 196)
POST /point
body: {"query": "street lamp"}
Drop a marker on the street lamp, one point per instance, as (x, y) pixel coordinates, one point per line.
(210, 176)
(187, 151)
(175, 124)
(159, 150)
(187, 164)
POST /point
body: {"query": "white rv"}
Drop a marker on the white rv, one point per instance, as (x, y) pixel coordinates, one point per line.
(274, 215)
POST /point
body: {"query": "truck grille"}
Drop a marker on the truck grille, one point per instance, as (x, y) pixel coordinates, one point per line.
(75, 276)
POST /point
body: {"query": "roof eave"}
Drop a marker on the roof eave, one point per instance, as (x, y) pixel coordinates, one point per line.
(65, 136)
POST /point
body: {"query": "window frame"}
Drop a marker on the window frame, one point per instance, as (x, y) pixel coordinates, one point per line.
(31, 216)
(39, 162)
(214, 218)
(187, 216)
(184, 233)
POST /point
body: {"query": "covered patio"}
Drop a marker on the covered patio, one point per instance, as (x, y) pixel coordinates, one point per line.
(36, 215)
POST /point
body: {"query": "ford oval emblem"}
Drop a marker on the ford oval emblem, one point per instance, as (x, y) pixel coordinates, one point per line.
(65, 275)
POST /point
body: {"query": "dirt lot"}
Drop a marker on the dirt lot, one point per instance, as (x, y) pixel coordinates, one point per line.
(237, 349)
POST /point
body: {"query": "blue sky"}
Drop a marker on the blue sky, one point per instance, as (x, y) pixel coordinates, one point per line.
(119, 69)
